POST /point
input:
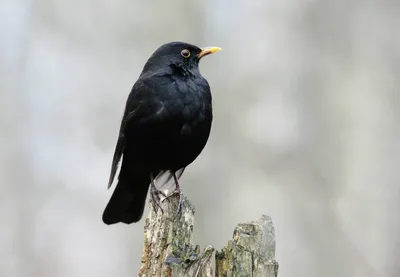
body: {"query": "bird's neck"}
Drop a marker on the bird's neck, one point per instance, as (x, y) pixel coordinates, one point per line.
(177, 70)
(184, 71)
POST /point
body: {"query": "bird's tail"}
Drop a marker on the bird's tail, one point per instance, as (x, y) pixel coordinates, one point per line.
(128, 199)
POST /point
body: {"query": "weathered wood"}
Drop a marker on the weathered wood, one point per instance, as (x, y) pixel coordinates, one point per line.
(251, 252)
(169, 251)
(168, 248)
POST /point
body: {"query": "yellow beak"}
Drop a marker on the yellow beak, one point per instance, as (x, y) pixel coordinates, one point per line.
(207, 50)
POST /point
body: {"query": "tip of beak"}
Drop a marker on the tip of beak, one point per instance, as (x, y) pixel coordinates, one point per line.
(211, 49)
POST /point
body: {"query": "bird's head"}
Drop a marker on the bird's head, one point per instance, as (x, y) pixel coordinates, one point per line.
(177, 56)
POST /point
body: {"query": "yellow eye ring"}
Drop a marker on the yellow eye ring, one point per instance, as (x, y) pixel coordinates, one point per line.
(185, 53)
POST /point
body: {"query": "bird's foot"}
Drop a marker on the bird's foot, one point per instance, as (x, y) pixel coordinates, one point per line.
(155, 197)
(179, 192)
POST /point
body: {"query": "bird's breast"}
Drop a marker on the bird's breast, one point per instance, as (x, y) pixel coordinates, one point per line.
(182, 129)
(188, 103)
(192, 100)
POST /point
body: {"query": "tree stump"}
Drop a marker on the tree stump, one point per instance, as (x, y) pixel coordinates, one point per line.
(169, 251)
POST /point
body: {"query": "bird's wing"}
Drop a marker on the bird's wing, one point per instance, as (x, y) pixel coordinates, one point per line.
(132, 105)
(119, 149)
(140, 106)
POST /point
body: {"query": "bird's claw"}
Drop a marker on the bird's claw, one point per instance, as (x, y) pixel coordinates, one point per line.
(156, 199)
(179, 192)
(155, 196)
(179, 209)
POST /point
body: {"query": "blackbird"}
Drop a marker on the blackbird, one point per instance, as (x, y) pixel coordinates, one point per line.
(165, 126)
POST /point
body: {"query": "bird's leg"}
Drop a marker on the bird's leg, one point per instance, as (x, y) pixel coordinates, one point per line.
(177, 191)
(155, 194)
(177, 187)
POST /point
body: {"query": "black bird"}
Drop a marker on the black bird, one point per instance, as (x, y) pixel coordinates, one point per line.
(165, 126)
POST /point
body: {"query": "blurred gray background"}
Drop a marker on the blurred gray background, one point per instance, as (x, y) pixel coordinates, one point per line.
(306, 130)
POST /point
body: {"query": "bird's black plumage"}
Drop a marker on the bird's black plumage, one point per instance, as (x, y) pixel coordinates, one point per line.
(165, 126)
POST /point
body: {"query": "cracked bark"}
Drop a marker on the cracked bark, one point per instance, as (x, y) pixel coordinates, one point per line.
(251, 252)
(168, 243)
(168, 246)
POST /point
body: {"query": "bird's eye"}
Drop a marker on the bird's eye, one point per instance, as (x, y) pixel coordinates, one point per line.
(185, 53)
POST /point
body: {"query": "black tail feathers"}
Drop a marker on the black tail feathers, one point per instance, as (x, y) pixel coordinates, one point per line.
(128, 199)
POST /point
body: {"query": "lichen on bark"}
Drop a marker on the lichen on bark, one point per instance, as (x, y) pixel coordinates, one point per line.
(168, 243)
